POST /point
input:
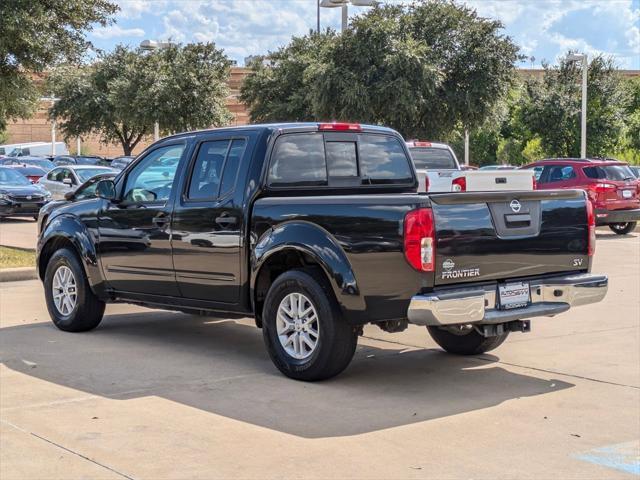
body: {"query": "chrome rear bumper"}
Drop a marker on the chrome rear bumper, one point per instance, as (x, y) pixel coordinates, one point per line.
(549, 296)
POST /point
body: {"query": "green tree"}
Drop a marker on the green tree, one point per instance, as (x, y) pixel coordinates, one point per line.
(36, 34)
(124, 93)
(278, 87)
(632, 133)
(551, 108)
(423, 69)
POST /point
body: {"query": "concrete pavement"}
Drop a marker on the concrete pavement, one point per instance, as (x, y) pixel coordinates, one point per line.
(157, 395)
(18, 232)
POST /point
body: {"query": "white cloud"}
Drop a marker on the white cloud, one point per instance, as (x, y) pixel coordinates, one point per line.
(133, 9)
(543, 28)
(115, 31)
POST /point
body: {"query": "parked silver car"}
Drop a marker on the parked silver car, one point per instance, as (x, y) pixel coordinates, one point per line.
(62, 180)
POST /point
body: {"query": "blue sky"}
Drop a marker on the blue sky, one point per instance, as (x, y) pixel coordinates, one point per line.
(544, 29)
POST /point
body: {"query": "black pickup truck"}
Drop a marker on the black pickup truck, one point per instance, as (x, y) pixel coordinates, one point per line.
(315, 230)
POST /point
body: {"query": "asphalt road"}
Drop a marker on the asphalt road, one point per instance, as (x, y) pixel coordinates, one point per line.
(161, 395)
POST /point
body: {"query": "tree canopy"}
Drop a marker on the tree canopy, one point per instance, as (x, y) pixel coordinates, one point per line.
(123, 94)
(551, 108)
(422, 69)
(36, 34)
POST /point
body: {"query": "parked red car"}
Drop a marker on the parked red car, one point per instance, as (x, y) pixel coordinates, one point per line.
(32, 173)
(613, 189)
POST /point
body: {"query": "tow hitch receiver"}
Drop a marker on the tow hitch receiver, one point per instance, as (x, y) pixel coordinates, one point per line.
(500, 328)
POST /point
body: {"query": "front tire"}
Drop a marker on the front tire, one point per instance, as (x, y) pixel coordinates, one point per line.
(72, 306)
(622, 228)
(465, 340)
(303, 330)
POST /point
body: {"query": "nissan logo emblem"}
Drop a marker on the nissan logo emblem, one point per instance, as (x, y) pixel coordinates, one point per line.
(28, 197)
(515, 206)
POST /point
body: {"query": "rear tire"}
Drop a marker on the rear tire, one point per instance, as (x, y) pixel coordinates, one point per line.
(623, 228)
(72, 306)
(465, 342)
(306, 346)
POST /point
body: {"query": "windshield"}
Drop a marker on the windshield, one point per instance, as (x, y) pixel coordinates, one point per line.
(85, 174)
(11, 177)
(609, 172)
(44, 164)
(433, 158)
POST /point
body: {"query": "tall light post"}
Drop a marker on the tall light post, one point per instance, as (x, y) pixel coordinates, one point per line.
(53, 100)
(344, 4)
(582, 58)
(150, 45)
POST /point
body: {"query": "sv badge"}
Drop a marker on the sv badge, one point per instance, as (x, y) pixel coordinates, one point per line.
(577, 262)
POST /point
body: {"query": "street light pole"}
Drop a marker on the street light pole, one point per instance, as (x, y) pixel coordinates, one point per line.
(582, 58)
(345, 17)
(53, 100)
(150, 45)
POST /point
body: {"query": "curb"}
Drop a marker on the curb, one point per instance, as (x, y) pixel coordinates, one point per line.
(18, 274)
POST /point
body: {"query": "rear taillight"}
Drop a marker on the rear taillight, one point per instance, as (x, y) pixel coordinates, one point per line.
(534, 185)
(591, 223)
(459, 184)
(420, 240)
(426, 183)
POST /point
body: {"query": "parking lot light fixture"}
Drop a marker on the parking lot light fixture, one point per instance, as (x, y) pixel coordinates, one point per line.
(344, 4)
(582, 58)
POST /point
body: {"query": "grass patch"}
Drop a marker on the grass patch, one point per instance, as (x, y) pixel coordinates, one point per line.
(15, 257)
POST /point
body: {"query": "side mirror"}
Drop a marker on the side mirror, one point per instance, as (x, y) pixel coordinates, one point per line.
(106, 189)
(67, 181)
(69, 196)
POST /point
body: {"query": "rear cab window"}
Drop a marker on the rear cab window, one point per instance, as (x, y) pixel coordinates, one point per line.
(431, 158)
(330, 159)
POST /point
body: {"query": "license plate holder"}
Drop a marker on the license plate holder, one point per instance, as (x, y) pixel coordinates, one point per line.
(627, 194)
(514, 295)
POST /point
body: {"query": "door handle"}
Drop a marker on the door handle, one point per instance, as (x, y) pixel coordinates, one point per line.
(160, 220)
(226, 220)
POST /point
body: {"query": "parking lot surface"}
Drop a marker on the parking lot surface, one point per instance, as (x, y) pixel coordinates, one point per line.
(162, 395)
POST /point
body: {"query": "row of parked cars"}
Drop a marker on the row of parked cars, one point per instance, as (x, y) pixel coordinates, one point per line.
(612, 186)
(28, 182)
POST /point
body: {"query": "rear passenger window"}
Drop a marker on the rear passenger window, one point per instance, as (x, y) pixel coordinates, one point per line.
(342, 159)
(383, 160)
(207, 170)
(560, 173)
(298, 160)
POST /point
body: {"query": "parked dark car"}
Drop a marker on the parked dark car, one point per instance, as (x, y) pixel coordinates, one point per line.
(63, 160)
(610, 185)
(43, 163)
(33, 174)
(18, 196)
(120, 163)
(316, 230)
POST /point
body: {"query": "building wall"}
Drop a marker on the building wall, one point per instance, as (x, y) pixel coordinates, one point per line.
(38, 128)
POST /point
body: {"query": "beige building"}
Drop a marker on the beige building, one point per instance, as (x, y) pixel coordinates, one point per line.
(38, 128)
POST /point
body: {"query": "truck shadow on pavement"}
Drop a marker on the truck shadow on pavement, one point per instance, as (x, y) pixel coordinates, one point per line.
(221, 366)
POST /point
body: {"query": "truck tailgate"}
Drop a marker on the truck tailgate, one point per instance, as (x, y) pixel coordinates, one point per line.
(500, 235)
(499, 180)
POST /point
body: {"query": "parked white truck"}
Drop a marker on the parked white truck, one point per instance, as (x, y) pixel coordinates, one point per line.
(438, 170)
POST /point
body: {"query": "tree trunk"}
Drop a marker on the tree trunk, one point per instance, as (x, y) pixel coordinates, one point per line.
(126, 148)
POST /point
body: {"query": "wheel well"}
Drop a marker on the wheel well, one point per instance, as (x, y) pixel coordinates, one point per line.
(49, 249)
(276, 265)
